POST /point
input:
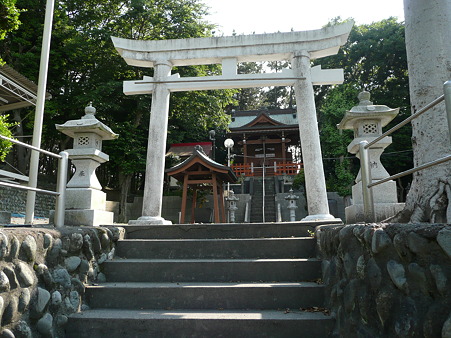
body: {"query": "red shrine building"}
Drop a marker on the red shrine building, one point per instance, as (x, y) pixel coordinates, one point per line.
(265, 141)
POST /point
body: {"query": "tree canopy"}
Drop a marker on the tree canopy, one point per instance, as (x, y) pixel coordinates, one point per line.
(84, 67)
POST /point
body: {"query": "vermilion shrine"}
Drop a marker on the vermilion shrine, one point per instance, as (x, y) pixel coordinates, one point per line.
(264, 138)
(298, 47)
(200, 172)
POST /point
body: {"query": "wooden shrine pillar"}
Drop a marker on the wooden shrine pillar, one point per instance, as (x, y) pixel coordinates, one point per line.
(184, 198)
(193, 204)
(215, 198)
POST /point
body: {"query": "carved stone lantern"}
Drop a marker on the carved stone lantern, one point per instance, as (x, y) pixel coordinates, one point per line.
(367, 121)
(232, 199)
(85, 201)
(292, 198)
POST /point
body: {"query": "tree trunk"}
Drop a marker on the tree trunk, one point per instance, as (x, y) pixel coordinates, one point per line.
(428, 25)
(23, 155)
(125, 181)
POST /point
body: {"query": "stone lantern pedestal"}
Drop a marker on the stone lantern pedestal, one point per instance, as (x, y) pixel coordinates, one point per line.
(367, 120)
(292, 198)
(232, 199)
(85, 200)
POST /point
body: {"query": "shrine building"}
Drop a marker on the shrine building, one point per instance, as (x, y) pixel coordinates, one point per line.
(264, 142)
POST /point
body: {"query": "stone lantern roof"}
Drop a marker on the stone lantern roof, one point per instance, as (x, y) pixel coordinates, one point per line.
(87, 124)
(366, 110)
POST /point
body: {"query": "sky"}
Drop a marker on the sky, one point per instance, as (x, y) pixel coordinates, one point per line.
(260, 16)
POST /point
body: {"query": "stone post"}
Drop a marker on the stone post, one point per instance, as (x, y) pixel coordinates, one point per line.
(291, 198)
(156, 149)
(315, 183)
(232, 199)
(85, 201)
(367, 120)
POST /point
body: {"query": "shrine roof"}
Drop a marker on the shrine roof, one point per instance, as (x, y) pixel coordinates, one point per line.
(279, 118)
(187, 149)
(191, 164)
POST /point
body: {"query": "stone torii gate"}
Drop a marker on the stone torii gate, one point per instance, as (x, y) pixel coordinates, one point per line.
(298, 47)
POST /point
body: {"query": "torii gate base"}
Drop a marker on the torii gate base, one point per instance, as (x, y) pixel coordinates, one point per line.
(298, 47)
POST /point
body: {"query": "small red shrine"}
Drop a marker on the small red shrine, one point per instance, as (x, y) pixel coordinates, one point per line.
(264, 138)
(201, 172)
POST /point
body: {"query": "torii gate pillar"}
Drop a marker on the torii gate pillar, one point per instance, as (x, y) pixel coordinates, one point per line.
(315, 184)
(156, 149)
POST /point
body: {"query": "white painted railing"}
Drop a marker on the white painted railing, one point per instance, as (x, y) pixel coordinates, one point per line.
(63, 160)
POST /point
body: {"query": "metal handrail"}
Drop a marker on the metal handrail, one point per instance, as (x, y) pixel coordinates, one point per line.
(63, 160)
(367, 184)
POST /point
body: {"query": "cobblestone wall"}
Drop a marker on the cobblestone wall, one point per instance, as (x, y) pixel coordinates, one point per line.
(14, 201)
(43, 272)
(390, 280)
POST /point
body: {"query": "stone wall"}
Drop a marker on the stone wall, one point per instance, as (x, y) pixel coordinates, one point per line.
(43, 272)
(391, 280)
(14, 201)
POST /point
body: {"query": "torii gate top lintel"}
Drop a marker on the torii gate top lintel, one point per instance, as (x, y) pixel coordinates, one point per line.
(244, 48)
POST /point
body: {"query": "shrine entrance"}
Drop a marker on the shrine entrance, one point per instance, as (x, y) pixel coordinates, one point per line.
(298, 47)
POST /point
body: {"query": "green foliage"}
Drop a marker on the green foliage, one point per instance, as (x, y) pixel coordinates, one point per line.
(5, 146)
(299, 180)
(9, 19)
(374, 59)
(84, 66)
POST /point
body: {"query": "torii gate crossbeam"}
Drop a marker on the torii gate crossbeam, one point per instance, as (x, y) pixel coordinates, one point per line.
(298, 47)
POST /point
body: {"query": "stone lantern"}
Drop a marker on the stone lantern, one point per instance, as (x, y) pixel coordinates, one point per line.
(367, 120)
(85, 201)
(232, 199)
(292, 198)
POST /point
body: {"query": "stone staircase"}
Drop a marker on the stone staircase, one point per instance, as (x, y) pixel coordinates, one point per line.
(217, 280)
(257, 201)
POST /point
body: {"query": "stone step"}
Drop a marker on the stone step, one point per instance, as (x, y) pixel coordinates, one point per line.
(212, 270)
(205, 296)
(109, 323)
(218, 230)
(217, 248)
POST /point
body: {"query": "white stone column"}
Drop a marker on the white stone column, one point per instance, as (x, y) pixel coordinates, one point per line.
(156, 149)
(315, 183)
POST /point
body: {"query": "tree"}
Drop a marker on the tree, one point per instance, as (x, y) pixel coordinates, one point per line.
(9, 19)
(374, 59)
(84, 67)
(250, 98)
(428, 24)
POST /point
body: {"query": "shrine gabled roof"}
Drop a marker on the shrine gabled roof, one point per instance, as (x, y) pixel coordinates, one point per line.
(276, 118)
(186, 149)
(199, 157)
